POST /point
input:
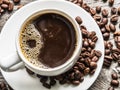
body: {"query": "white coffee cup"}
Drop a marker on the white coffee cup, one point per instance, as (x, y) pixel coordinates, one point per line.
(18, 57)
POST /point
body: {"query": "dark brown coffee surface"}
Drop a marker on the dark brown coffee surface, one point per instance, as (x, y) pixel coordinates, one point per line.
(58, 38)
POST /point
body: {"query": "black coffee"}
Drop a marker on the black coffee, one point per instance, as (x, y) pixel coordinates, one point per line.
(48, 39)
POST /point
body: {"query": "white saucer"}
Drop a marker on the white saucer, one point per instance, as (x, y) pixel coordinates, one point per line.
(20, 80)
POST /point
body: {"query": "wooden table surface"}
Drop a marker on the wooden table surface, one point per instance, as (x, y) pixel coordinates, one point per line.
(103, 81)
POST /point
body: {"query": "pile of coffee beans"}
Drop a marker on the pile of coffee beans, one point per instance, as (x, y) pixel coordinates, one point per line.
(7, 5)
(85, 65)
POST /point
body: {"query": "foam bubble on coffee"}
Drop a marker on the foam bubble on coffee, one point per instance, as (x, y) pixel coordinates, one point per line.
(31, 43)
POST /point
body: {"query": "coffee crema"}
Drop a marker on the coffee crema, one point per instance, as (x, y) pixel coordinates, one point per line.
(48, 40)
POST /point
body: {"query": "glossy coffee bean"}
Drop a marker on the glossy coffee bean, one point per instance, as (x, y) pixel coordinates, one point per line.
(114, 76)
(115, 83)
(98, 9)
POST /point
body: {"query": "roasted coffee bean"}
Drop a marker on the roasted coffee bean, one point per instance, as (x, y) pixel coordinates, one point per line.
(72, 76)
(114, 19)
(109, 45)
(89, 49)
(86, 7)
(110, 88)
(93, 65)
(84, 33)
(92, 45)
(107, 63)
(77, 75)
(117, 41)
(98, 9)
(92, 71)
(29, 71)
(119, 11)
(85, 43)
(117, 33)
(116, 50)
(107, 28)
(43, 79)
(114, 76)
(78, 19)
(47, 85)
(6, 1)
(97, 17)
(100, 24)
(83, 49)
(107, 51)
(113, 10)
(94, 38)
(83, 27)
(111, 2)
(104, 21)
(81, 66)
(10, 6)
(106, 35)
(112, 27)
(4, 6)
(98, 53)
(115, 83)
(52, 82)
(75, 67)
(92, 11)
(87, 70)
(105, 13)
(87, 62)
(92, 33)
(16, 1)
(115, 56)
(108, 58)
(76, 82)
(95, 59)
(93, 53)
(103, 30)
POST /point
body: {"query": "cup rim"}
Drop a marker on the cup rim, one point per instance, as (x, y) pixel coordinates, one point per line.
(75, 54)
